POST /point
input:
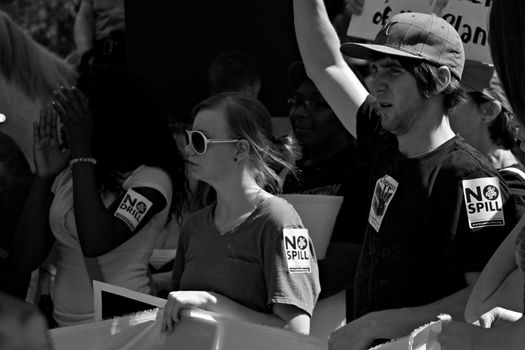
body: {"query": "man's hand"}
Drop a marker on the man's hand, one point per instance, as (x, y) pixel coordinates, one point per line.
(355, 7)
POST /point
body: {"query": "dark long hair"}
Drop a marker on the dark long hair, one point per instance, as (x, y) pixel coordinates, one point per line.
(249, 120)
(129, 129)
(507, 46)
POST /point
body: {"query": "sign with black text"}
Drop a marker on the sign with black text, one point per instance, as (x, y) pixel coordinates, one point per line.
(469, 17)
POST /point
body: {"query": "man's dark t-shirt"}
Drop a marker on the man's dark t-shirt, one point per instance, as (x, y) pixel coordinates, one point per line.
(419, 241)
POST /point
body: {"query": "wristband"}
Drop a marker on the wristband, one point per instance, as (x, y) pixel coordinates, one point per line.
(82, 160)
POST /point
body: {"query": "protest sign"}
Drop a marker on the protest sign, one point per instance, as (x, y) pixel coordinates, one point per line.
(468, 17)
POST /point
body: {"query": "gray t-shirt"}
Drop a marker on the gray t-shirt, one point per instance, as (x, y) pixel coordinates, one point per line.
(252, 264)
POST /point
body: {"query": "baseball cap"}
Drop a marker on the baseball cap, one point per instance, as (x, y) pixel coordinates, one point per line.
(482, 77)
(415, 35)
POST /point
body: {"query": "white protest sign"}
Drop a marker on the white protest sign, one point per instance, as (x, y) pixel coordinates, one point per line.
(469, 17)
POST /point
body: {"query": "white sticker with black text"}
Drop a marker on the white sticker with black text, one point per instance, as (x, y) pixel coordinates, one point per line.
(133, 208)
(383, 193)
(297, 246)
(483, 202)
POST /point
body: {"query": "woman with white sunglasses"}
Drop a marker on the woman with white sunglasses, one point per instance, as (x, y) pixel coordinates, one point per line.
(247, 255)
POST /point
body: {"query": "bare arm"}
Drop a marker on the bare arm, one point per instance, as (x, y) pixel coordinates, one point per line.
(284, 316)
(99, 229)
(319, 46)
(489, 285)
(396, 323)
(84, 27)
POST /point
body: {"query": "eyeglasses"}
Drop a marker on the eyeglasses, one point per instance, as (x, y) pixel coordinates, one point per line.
(199, 142)
(311, 104)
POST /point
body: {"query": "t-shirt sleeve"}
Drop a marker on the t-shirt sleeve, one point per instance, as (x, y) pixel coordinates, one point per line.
(476, 239)
(369, 129)
(287, 283)
(152, 177)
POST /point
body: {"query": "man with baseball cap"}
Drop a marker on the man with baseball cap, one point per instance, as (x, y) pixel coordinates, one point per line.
(437, 208)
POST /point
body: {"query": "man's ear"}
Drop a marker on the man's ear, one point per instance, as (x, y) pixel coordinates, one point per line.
(444, 77)
(490, 110)
(242, 150)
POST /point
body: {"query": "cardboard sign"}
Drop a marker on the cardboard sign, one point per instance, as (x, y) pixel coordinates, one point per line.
(132, 208)
(469, 17)
(483, 202)
(383, 193)
(297, 246)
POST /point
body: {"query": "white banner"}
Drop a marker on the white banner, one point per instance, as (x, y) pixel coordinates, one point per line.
(469, 17)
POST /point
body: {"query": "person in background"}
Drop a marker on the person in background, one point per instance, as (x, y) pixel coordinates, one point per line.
(247, 255)
(104, 199)
(486, 122)
(420, 229)
(329, 166)
(500, 326)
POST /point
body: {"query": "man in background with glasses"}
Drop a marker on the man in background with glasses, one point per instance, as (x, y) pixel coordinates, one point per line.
(329, 166)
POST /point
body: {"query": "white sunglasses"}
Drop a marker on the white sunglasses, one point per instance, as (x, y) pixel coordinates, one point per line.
(199, 142)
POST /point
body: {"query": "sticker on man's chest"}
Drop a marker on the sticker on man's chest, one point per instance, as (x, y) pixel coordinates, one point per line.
(297, 246)
(133, 208)
(383, 193)
(483, 202)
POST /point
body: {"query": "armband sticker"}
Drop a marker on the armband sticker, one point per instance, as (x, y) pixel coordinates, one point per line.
(483, 202)
(297, 246)
(133, 208)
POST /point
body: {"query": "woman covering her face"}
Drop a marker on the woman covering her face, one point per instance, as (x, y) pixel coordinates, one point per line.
(247, 255)
(104, 198)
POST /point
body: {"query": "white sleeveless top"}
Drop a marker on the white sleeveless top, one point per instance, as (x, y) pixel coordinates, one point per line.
(125, 266)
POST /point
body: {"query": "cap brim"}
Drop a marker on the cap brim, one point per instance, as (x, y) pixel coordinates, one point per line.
(368, 51)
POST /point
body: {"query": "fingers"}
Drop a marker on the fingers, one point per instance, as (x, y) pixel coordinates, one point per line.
(171, 315)
(355, 6)
(485, 321)
(63, 104)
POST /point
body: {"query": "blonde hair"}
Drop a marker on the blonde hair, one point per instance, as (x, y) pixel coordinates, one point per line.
(25, 63)
(248, 119)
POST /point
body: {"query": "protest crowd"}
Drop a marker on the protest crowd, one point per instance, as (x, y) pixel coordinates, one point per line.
(417, 137)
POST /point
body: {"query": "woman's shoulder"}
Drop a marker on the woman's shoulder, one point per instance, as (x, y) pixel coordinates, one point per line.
(149, 176)
(280, 212)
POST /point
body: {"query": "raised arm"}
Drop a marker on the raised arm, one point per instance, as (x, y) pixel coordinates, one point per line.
(84, 27)
(100, 229)
(325, 65)
(498, 269)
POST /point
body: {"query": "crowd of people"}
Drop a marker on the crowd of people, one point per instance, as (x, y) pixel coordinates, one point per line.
(426, 151)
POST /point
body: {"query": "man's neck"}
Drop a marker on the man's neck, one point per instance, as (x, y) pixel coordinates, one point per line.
(425, 137)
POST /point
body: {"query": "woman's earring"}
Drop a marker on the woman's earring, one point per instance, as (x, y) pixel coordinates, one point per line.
(235, 159)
